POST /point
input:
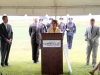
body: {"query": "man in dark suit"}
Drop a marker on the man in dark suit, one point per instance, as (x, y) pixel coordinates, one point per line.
(6, 35)
(35, 31)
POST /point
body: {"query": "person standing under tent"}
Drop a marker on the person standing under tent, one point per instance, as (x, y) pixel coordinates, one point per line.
(92, 37)
(35, 31)
(6, 35)
(48, 25)
(62, 26)
(71, 30)
(54, 28)
(44, 27)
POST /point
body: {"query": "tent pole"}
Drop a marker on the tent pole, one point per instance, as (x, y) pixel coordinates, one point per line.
(55, 13)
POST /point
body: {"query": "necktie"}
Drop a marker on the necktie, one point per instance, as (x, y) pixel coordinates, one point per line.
(92, 29)
(5, 25)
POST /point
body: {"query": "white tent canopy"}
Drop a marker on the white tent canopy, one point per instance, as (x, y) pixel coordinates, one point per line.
(50, 7)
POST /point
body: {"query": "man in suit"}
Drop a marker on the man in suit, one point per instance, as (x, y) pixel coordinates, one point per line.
(91, 36)
(35, 31)
(62, 26)
(6, 35)
(71, 30)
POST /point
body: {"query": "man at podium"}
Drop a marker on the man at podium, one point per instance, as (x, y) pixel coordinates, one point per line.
(54, 28)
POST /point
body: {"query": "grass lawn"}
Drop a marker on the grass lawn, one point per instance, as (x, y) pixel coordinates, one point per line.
(20, 55)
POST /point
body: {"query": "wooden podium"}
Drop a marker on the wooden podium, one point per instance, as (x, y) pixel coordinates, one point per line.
(52, 53)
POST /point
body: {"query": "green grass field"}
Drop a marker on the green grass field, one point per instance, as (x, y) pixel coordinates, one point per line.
(20, 55)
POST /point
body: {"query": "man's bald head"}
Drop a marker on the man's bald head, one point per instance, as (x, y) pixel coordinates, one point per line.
(35, 20)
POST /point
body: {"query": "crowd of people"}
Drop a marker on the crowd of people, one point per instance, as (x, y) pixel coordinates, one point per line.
(37, 27)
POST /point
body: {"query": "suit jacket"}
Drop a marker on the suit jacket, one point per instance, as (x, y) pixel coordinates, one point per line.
(5, 33)
(50, 30)
(36, 33)
(94, 35)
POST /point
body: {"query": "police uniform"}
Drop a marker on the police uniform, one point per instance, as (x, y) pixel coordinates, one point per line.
(49, 24)
(71, 30)
(62, 27)
(44, 27)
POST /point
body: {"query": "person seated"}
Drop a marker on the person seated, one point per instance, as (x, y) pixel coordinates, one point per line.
(96, 68)
(54, 28)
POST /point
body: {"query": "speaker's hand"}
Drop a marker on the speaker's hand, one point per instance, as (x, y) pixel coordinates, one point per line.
(85, 39)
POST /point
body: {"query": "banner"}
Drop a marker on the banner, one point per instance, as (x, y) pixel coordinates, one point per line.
(65, 48)
(51, 43)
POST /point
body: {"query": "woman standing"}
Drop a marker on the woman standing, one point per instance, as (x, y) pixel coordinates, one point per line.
(54, 28)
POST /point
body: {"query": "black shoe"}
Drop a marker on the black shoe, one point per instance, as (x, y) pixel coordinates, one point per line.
(37, 60)
(7, 64)
(91, 73)
(69, 48)
(2, 65)
(34, 62)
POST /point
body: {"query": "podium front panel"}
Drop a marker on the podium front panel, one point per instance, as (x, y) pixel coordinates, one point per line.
(52, 54)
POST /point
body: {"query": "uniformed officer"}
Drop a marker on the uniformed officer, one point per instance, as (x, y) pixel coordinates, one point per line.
(71, 30)
(44, 27)
(49, 24)
(62, 26)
